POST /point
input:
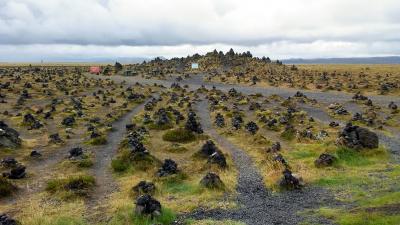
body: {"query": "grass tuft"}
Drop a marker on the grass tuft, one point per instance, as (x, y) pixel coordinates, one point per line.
(179, 135)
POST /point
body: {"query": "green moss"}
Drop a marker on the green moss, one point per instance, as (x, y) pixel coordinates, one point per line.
(154, 126)
(119, 165)
(98, 141)
(288, 134)
(71, 187)
(179, 135)
(351, 157)
(85, 163)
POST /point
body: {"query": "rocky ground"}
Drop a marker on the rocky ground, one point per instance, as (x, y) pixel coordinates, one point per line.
(139, 150)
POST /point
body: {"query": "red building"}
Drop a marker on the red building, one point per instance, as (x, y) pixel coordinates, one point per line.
(95, 70)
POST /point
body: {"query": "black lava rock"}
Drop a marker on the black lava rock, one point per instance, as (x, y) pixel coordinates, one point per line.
(68, 121)
(144, 187)
(147, 205)
(325, 160)
(208, 149)
(252, 127)
(358, 137)
(211, 180)
(7, 220)
(289, 182)
(55, 139)
(192, 124)
(217, 158)
(9, 138)
(75, 152)
(219, 120)
(16, 173)
(169, 167)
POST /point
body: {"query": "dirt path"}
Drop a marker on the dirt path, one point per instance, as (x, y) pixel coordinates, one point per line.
(257, 205)
(105, 184)
(194, 83)
(103, 154)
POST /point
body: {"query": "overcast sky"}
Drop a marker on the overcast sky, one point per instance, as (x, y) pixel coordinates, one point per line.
(31, 30)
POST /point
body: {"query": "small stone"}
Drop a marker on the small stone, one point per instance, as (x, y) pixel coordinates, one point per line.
(35, 154)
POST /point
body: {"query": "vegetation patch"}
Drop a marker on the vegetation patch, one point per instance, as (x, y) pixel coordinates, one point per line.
(126, 215)
(72, 186)
(180, 135)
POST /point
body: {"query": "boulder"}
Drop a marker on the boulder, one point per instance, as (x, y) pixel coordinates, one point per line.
(144, 187)
(324, 160)
(211, 180)
(147, 206)
(358, 137)
(9, 138)
(169, 167)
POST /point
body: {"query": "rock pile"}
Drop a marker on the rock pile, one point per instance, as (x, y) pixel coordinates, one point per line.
(18, 172)
(32, 122)
(211, 180)
(237, 121)
(219, 120)
(252, 127)
(9, 138)
(289, 182)
(148, 206)
(358, 137)
(169, 167)
(192, 124)
(325, 160)
(144, 187)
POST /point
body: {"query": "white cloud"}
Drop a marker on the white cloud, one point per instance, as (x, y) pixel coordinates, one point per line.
(285, 27)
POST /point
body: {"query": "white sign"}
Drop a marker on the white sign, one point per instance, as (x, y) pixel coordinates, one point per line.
(195, 65)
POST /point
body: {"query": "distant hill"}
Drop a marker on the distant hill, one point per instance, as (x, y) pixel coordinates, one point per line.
(360, 60)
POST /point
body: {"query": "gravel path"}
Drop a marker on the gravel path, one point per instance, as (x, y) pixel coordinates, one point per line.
(257, 205)
(105, 184)
(196, 82)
